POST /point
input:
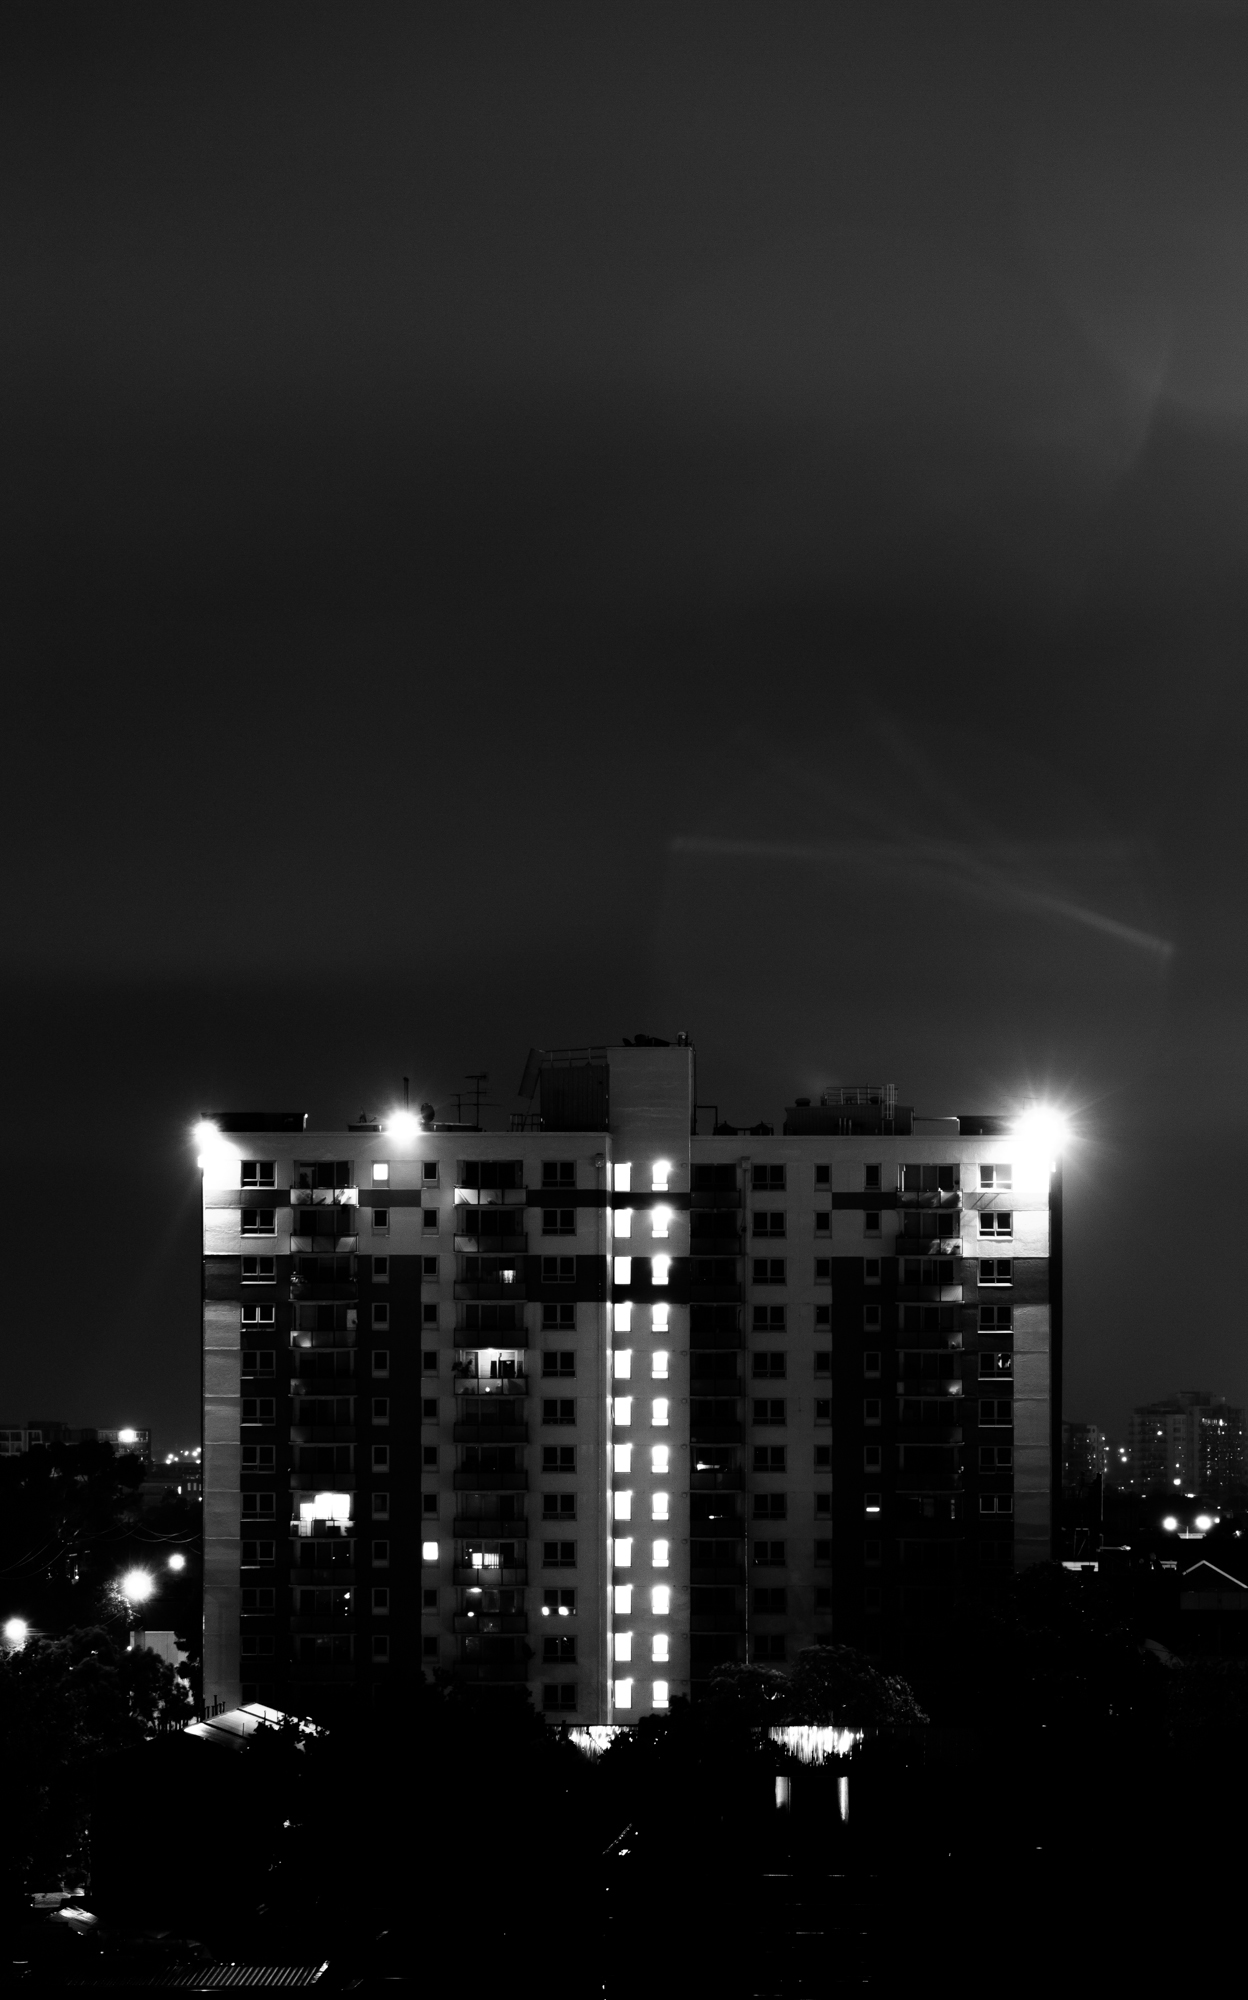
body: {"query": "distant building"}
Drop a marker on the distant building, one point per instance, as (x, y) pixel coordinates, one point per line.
(1193, 1441)
(1085, 1452)
(17, 1438)
(632, 1334)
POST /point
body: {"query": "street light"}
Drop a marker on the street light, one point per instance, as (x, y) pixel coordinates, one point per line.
(16, 1633)
(137, 1585)
(177, 1562)
(403, 1125)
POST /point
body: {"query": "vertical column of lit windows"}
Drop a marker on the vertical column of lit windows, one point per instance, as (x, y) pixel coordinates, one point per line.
(641, 1494)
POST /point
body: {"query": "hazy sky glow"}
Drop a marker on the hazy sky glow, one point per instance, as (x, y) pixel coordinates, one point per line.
(527, 526)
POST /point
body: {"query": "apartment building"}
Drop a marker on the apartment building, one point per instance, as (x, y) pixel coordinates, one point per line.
(1192, 1442)
(684, 1396)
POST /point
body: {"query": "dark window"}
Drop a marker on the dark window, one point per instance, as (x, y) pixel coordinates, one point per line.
(871, 1270)
(257, 1457)
(770, 1363)
(558, 1173)
(769, 1646)
(823, 1269)
(558, 1458)
(823, 1598)
(823, 1316)
(823, 1554)
(561, 1598)
(871, 1319)
(558, 1506)
(766, 1177)
(561, 1412)
(429, 1410)
(768, 1222)
(769, 1555)
(771, 1602)
(323, 1173)
(823, 1361)
(558, 1647)
(258, 1361)
(769, 1319)
(429, 1221)
(823, 1503)
(823, 1176)
(381, 1360)
(871, 1410)
(996, 1175)
(872, 1458)
(261, 1599)
(996, 1457)
(558, 1270)
(871, 1222)
(490, 1174)
(258, 1552)
(258, 1409)
(428, 1267)
(998, 1223)
(558, 1694)
(560, 1362)
(713, 1180)
(769, 1270)
(823, 1458)
(769, 1411)
(555, 1314)
(381, 1220)
(259, 1222)
(927, 1178)
(871, 1178)
(823, 1409)
(996, 1503)
(871, 1361)
(823, 1221)
(428, 1315)
(258, 1173)
(558, 1222)
(771, 1506)
(995, 1362)
(996, 1411)
(769, 1457)
(381, 1270)
(996, 1271)
(558, 1555)
(429, 1170)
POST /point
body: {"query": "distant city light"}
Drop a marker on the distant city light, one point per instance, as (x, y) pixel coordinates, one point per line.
(1170, 1524)
(137, 1585)
(1204, 1522)
(177, 1562)
(127, 1437)
(16, 1633)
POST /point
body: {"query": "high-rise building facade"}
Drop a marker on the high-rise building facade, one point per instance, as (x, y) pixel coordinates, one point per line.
(683, 1397)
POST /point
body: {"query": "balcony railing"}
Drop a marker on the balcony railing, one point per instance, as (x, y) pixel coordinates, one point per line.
(343, 1197)
(491, 1385)
(331, 1245)
(476, 1480)
(485, 1624)
(489, 1579)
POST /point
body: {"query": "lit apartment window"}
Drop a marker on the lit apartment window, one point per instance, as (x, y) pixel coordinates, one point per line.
(381, 1172)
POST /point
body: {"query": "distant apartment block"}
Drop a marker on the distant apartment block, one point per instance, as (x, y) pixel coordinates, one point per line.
(685, 1396)
(1192, 1442)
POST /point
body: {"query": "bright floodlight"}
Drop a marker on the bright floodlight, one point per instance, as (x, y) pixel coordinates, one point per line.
(177, 1562)
(137, 1586)
(1204, 1522)
(16, 1631)
(127, 1437)
(205, 1133)
(403, 1125)
(1169, 1524)
(1043, 1128)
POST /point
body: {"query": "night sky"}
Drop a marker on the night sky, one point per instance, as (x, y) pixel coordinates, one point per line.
(524, 525)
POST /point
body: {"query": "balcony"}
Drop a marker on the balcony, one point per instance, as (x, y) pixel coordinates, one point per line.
(493, 1527)
(716, 1482)
(927, 1246)
(715, 1431)
(491, 1385)
(945, 1295)
(927, 1433)
(324, 1288)
(468, 1288)
(343, 1197)
(479, 1480)
(717, 1621)
(718, 1528)
(517, 1243)
(335, 1245)
(511, 1431)
(727, 1387)
(489, 1579)
(710, 1198)
(492, 1670)
(322, 1434)
(725, 1572)
(486, 1624)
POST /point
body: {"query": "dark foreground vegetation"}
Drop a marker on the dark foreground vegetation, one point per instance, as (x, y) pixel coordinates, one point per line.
(1033, 1804)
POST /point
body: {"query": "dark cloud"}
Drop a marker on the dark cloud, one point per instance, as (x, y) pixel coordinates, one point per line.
(532, 526)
